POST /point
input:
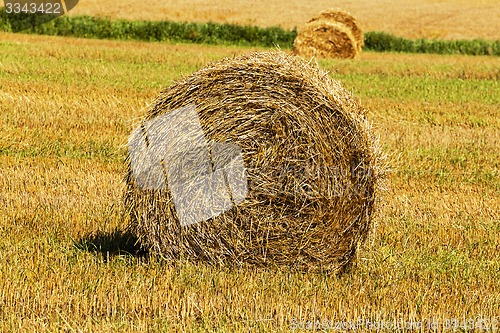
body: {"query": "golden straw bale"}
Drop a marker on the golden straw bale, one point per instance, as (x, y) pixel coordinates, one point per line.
(324, 39)
(347, 19)
(312, 168)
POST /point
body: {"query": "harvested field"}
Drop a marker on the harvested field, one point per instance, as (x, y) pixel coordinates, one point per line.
(67, 264)
(456, 19)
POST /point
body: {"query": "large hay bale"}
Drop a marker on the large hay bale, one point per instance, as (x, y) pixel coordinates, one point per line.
(325, 39)
(311, 167)
(345, 18)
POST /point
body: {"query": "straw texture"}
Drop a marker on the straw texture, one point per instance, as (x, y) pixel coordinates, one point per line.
(332, 34)
(324, 39)
(345, 18)
(312, 166)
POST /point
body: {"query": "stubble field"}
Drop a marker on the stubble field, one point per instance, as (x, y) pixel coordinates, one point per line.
(450, 19)
(67, 107)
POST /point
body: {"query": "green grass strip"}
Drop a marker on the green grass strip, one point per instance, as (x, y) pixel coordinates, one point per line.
(200, 33)
(384, 42)
(228, 34)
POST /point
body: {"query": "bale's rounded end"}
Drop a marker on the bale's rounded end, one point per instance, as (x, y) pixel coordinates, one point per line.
(332, 34)
(311, 167)
(324, 39)
(345, 18)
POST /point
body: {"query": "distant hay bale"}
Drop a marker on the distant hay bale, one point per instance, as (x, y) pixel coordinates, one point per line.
(325, 39)
(311, 165)
(345, 18)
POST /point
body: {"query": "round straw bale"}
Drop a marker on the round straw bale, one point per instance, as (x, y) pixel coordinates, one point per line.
(311, 167)
(347, 19)
(326, 39)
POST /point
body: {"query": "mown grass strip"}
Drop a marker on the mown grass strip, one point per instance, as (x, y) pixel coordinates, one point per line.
(199, 33)
(231, 34)
(384, 42)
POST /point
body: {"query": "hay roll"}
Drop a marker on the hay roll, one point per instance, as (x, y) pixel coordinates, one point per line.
(345, 18)
(311, 167)
(326, 39)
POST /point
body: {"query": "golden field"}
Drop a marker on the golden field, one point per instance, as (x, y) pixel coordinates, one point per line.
(67, 107)
(452, 19)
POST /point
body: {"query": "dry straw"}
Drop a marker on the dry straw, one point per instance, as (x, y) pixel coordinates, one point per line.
(345, 18)
(324, 39)
(311, 162)
(331, 34)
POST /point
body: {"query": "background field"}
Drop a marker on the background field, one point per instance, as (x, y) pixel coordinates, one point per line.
(443, 19)
(66, 109)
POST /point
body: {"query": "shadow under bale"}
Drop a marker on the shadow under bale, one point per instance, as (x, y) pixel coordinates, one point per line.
(109, 244)
(312, 168)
